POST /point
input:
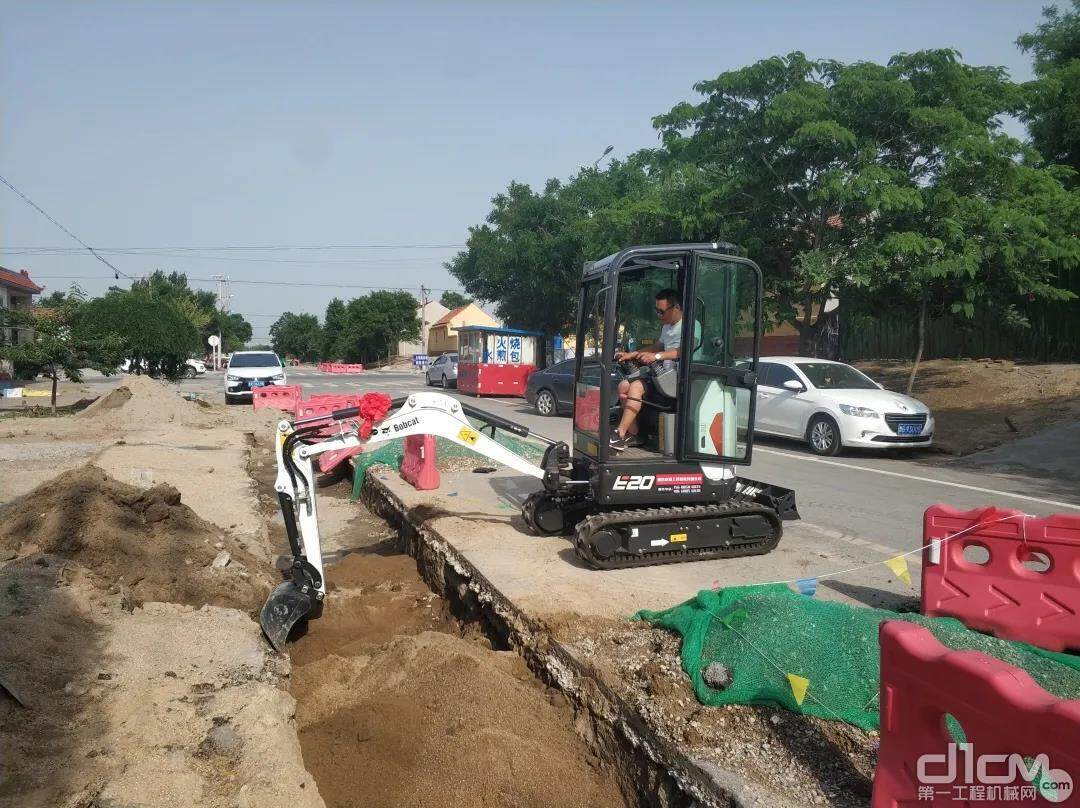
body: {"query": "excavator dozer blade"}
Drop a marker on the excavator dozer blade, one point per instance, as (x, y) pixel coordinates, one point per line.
(286, 606)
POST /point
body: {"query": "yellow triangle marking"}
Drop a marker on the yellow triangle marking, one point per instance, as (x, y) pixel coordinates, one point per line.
(899, 567)
(799, 686)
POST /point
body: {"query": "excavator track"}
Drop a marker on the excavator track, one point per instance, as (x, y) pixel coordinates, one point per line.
(550, 514)
(728, 513)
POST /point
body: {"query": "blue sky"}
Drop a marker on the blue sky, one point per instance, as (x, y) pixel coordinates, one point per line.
(204, 125)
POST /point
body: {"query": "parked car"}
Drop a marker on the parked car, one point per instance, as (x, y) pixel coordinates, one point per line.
(831, 405)
(192, 368)
(551, 391)
(443, 370)
(249, 370)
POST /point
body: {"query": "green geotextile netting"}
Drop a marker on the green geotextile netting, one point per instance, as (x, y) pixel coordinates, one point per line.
(763, 633)
(389, 454)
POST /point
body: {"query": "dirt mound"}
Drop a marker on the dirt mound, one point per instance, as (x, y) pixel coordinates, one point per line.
(142, 402)
(145, 542)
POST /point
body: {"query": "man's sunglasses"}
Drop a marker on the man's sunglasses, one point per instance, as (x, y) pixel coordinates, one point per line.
(661, 312)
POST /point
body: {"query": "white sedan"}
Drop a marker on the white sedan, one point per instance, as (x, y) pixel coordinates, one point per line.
(831, 405)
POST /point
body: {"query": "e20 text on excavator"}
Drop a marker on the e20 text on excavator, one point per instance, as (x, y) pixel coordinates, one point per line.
(672, 496)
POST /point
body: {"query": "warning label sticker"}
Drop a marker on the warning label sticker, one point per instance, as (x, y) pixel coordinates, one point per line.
(679, 483)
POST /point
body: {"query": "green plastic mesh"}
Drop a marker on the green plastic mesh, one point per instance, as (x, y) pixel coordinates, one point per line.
(763, 633)
(449, 456)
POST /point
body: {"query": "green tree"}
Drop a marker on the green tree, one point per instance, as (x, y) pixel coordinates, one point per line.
(155, 335)
(375, 323)
(333, 327)
(74, 295)
(55, 348)
(453, 300)
(885, 182)
(235, 331)
(1053, 111)
(297, 335)
(200, 306)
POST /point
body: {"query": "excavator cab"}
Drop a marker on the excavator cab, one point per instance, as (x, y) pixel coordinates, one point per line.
(696, 412)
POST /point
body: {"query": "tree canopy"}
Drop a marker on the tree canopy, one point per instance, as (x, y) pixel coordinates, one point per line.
(890, 186)
(1053, 112)
(297, 335)
(453, 300)
(53, 346)
(153, 331)
(368, 328)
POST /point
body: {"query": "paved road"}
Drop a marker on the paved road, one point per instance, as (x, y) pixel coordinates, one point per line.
(876, 498)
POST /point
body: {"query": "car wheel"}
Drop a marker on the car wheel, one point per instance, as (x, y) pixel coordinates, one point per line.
(445, 383)
(190, 372)
(546, 404)
(427, 379)
(823, 435)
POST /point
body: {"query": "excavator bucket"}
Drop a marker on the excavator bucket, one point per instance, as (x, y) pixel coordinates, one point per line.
(287, 605)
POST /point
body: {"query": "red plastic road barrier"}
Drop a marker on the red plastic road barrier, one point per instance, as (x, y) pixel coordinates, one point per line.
(418, 462)
(1007, 595)
(1000, 709)
(283, 397)
(328, 461)
(324, 404)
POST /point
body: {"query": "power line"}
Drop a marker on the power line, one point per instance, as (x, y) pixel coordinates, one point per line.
(195, 256)
(275, 247)
(264, 283)
(40, 210)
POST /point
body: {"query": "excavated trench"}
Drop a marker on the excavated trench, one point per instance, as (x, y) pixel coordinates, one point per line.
(412, 690)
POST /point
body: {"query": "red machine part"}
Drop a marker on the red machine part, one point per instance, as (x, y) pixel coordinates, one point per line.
(418, 463)
(1013, 575)
(1000, 709)
(283, 397)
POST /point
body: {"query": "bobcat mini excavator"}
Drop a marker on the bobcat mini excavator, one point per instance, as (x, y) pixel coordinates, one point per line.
(673, 497)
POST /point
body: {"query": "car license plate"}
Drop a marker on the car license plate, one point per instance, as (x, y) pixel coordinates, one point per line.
(909, 429)
(258, 383)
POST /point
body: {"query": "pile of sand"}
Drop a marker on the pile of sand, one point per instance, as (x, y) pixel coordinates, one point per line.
(143, 540)
(140, 401)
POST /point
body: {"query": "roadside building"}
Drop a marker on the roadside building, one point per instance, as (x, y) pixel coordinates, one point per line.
(429, 315)
(443, 338)
(16, 292)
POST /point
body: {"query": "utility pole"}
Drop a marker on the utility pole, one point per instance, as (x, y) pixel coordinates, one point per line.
(423, 319)
(223, 307)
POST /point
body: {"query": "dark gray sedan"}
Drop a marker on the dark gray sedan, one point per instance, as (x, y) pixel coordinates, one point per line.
(551, 390)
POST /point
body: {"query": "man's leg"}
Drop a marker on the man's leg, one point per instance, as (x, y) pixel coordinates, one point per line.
(631, 407)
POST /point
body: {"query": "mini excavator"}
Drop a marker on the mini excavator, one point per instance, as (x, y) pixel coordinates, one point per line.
(674, 496)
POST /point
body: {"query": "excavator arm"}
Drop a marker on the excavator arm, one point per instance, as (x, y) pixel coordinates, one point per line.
(299, 444)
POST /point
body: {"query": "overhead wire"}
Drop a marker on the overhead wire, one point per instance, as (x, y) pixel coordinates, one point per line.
(268, 283)
(39, 209)
(276, 247)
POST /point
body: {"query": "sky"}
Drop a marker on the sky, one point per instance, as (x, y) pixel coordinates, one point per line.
(232, 124)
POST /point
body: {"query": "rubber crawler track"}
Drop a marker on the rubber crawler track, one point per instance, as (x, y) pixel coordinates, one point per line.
(638, 516)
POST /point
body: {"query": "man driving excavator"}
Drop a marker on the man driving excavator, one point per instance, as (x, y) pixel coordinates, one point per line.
(666, 350)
